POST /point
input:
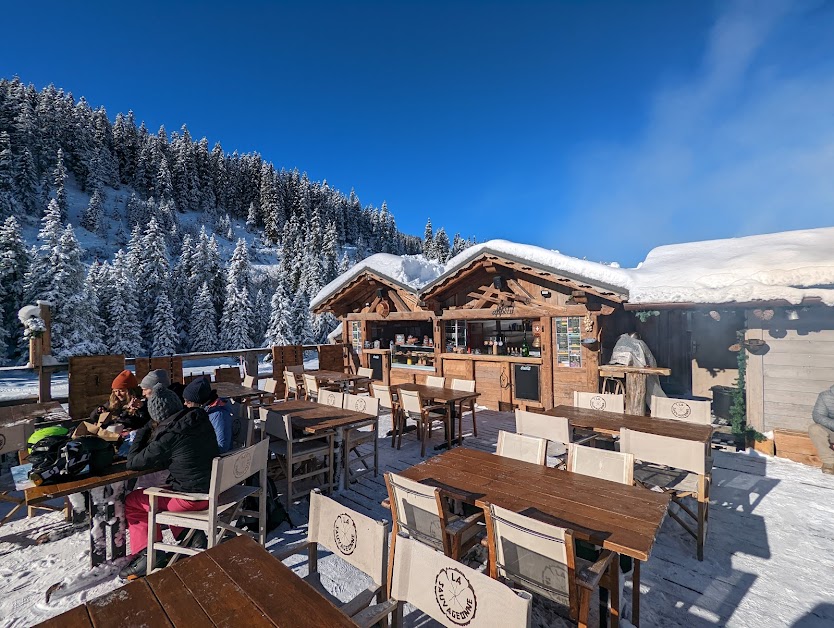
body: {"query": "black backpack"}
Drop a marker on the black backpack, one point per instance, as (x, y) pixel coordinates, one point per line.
(71, 459)
(276, 514)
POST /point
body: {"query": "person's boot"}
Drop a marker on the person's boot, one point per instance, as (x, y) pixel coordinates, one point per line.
(828, 468)
(138, 567)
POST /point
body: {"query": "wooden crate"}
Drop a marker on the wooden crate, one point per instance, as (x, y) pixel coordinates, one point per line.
(90, 378)
(795, 445)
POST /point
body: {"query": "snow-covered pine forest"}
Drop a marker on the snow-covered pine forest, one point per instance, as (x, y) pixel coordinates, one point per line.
(153, 243)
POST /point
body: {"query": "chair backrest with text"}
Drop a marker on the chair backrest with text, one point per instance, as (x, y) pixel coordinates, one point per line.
(452, 593)
(354, 537)
(235, 468)
(331, 398)
(601, 463)
(519, 447)
(362, 403)
(553, 428)
(437, 382)
(599, 401)
(687, 410)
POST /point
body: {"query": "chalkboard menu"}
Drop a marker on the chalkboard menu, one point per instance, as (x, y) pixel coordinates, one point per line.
(526, 378)
(375, 362)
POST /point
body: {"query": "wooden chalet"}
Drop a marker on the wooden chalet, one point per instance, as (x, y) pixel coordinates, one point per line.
(527, 331)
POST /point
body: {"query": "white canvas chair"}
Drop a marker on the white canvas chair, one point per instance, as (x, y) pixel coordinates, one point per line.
(388, 403)
(291, 386)
(363, 385)
(412, 407)
(423, 512)
(541, 558)
(614, 466)
(681, 410)
(358, 434)
(465, 385)
(249, 381)
(676, 466)
(297, 452)
(556, 430)
(519, 447)
(331, 398)
(452, 594)
(225, 501)
(355, 538)
(599, 401)
(436, 381)
(312, 387)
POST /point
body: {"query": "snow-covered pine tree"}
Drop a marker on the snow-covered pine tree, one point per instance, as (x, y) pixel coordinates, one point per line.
(260, 316)
(123, 333)
(163, 332)
(441, 245)
(26, 178)
(280, 330)
(59, 180)
(75, 320)
(7, 183)
(182, 294)
(37, 278)
(14, 262)
(300, 319)
(91, 220)
(428, 240)
(252, 217)
(237, 310)
(153, 276)
(202, 322)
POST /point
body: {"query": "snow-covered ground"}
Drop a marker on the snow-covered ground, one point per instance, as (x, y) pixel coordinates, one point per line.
(769, 553)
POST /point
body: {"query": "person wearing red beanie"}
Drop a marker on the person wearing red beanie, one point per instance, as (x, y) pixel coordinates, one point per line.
(126, 405)
(124, 380)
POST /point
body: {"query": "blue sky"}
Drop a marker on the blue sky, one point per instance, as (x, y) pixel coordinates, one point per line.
(600, 129)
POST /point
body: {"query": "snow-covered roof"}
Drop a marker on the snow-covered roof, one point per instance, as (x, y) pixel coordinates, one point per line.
(335, 333)
(603, 275)
(788, 266)
(411, 272)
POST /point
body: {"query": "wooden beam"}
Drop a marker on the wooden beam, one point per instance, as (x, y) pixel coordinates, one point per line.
(395, 297)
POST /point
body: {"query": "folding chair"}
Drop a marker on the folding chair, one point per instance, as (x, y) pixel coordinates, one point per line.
(364, 384)
(355, 538)
(465, 385)
(312, 387)
(297, 451)
(599, 401)
(387, 401)
(423, 512)
(358, 435)
(437, 382)
(686, 410)
(450, 593)
(225, 503)
(615, 466)
(249, 381)
(291, 386)
(676, 466)
(520, 447)
(413, 408)
(556, 430)
(541, 558)
(243, 426)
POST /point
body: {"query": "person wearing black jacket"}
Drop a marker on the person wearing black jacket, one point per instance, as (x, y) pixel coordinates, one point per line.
(180, 440)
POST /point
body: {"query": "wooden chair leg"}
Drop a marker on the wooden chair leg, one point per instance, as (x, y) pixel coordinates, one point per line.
(584, 606)
(701, 528)
(474, 425)
(376, 449)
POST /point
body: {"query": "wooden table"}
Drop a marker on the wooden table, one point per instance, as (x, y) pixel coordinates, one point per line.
(635, 389)
(242, 394)
(624, 519)
(317, 418)
(344, 380)
(106, 495)
(236, 582)
(611, 422)
(448, 396)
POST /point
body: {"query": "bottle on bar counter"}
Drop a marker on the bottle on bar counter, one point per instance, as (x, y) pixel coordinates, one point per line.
(525, 350)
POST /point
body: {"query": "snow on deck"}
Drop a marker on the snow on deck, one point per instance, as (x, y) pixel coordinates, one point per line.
(769, 551)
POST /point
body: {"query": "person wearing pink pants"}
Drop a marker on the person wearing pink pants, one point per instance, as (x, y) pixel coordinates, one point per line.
(181, 440)
(137, 506)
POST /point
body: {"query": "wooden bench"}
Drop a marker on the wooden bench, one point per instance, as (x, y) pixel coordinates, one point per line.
(795, 445)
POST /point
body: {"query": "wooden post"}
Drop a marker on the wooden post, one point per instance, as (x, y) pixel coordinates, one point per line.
(44, 384)
(635, 398)
(46, 338)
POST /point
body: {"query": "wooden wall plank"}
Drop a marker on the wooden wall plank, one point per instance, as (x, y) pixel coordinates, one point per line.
(755, 380)
(90, 378)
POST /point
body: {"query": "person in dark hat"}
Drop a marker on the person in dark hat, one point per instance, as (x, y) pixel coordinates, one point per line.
(180, 440)
(199, 394)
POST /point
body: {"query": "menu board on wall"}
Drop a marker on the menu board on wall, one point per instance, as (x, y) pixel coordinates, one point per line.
(356, 334)
(568, 341)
